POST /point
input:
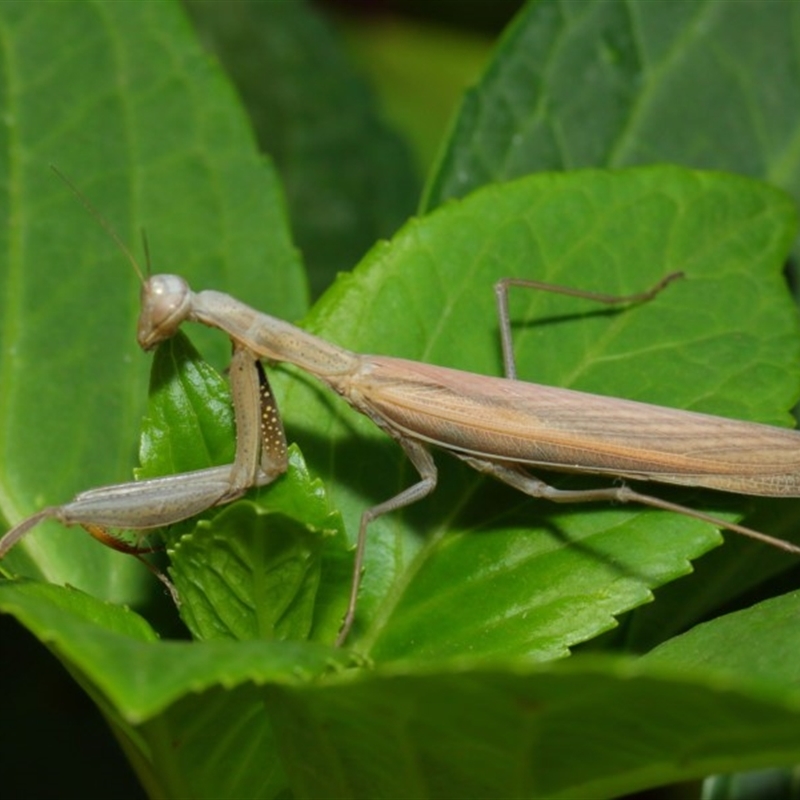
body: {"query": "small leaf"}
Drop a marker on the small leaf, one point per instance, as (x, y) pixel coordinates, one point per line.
(256, 570)
(253, 569)
(189, 423)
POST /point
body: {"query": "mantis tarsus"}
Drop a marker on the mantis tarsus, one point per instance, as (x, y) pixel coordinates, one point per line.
(499, 426)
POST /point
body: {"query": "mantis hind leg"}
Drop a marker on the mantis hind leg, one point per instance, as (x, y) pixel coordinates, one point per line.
(523, 481)
(425, 466)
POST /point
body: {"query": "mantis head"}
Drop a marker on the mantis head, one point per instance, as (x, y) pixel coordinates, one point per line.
(165, 303)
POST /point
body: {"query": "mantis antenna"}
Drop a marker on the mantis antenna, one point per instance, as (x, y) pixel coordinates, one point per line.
(107, 227)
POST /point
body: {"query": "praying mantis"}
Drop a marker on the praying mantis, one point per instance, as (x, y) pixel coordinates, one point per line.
(499, 426)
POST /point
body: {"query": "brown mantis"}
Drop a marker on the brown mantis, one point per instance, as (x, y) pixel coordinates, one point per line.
(499, 426)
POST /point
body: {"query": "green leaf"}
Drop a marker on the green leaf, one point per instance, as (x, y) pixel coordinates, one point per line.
(138, 674)
(128, 106)
(742, 571)
(590, 84)
(588, 727)
(254, 572)
(761, 642)
(596, 727)
(189, 423)
(765, 783)
(471, 570)
(275, 566)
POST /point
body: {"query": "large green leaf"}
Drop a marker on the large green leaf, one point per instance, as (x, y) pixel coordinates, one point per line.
(181, 729)
(586, 727)
(442, 576)
(134, 113)
(766, 648)
(590, 83)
